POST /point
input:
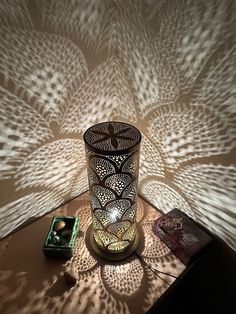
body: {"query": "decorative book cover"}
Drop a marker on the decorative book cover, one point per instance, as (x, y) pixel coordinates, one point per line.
(181, 234)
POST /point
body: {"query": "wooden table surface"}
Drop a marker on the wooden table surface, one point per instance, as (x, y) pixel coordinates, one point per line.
(31, 283)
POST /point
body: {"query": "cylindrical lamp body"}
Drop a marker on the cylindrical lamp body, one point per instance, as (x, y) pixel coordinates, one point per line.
(112, 152)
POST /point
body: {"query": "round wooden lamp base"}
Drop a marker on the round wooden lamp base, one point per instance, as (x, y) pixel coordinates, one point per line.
(107, 255)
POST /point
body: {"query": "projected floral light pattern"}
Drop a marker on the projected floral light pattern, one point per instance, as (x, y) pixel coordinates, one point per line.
(102, 287)
(166, 66)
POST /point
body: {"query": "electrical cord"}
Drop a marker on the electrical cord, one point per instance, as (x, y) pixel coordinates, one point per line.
(153, 269)
(157, 272)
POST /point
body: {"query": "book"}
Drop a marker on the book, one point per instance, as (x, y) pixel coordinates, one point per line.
(184, 237)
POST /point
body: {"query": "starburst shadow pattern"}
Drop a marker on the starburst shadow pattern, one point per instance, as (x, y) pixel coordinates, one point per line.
(167, 67)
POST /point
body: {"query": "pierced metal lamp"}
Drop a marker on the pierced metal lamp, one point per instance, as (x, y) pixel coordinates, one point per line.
(112, 151)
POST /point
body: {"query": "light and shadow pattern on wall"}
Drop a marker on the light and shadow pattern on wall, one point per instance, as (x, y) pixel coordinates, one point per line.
(166, 66)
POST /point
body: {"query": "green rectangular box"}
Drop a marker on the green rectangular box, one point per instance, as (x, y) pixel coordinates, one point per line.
(61, 237)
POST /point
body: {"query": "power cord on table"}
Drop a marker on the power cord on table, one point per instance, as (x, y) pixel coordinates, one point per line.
(157, 272)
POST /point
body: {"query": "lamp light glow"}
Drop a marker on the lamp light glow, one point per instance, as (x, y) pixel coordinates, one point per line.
(112, 151)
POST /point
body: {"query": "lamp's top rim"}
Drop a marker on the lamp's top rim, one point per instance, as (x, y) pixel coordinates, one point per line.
(112, 137)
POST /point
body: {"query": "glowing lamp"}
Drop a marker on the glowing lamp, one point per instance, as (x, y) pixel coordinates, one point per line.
(112, 152)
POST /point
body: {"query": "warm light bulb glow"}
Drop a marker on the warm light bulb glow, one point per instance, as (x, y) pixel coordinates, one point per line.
(114, 215)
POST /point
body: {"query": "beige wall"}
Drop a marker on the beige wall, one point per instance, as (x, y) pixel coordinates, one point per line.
(168, 67)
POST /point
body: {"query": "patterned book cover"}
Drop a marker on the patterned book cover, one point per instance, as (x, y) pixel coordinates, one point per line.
(181, 234)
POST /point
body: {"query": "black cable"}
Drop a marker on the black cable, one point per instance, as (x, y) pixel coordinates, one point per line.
(157, 272)
(153, 269)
